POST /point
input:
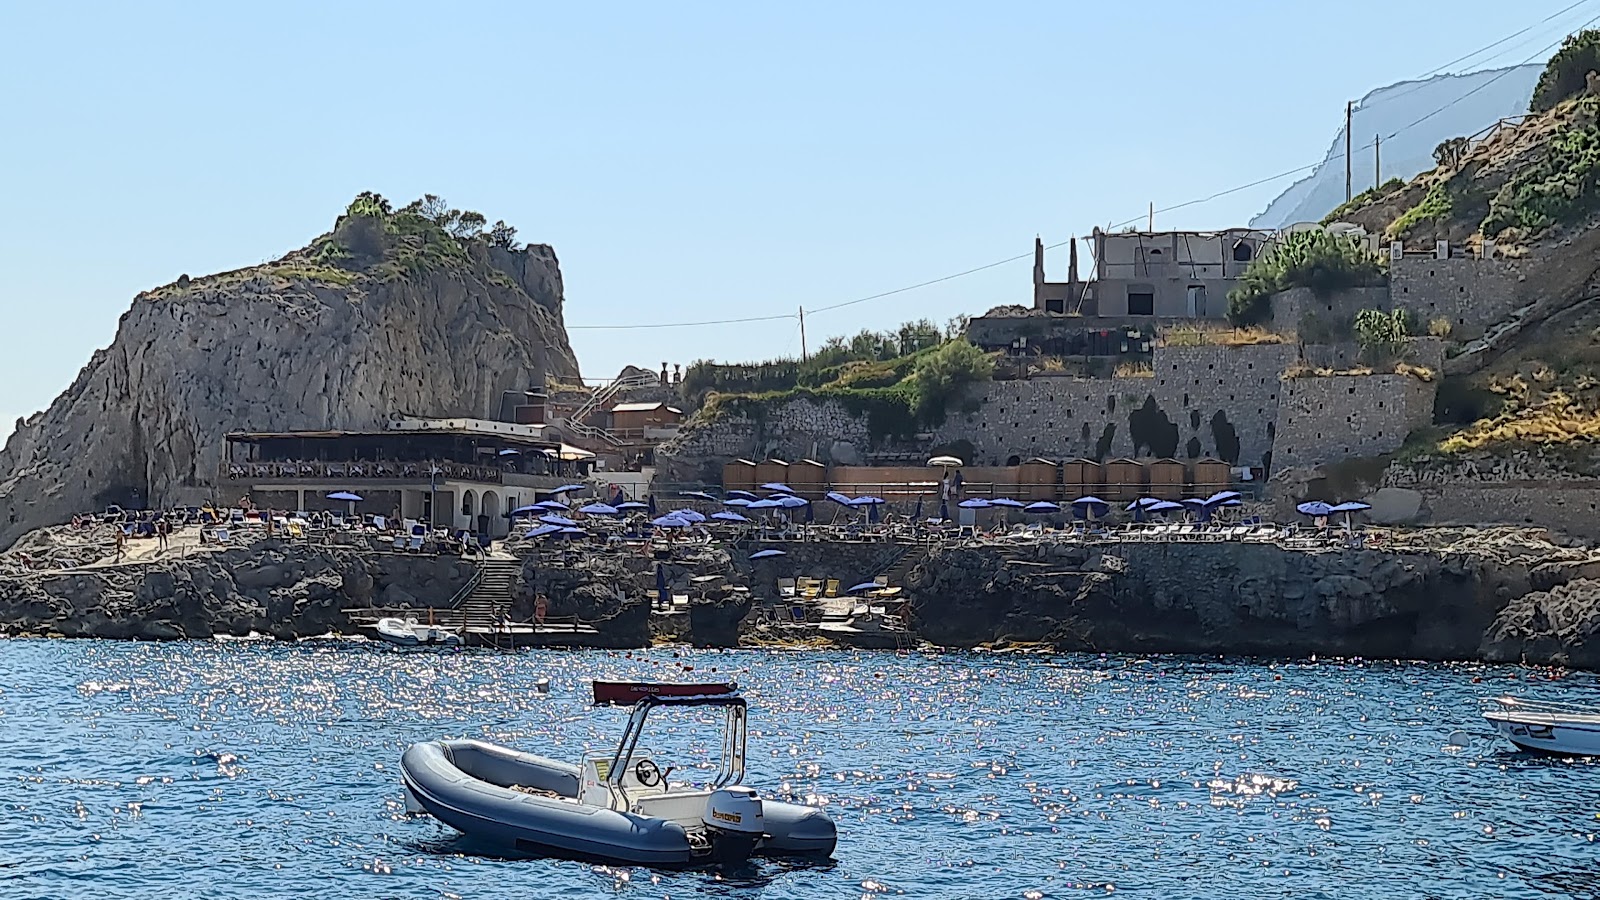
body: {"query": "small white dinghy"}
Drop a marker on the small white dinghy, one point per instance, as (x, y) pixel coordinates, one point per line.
(409, 632)
(616, 806)
(1556, 728)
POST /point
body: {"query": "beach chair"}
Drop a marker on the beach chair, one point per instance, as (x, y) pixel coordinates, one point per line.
(222, 535)
(414, 543)
(399, 542)
(831, 588)
(786, 587)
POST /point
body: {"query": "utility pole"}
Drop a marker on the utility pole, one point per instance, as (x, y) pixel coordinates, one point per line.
(1150, 223)
(1377, 161)
(803, 355)
(1349, 109)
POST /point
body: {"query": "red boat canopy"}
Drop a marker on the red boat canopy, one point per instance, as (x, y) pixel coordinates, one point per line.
(627, 693)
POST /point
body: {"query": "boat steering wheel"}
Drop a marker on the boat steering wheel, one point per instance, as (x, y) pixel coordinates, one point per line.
(648, 773)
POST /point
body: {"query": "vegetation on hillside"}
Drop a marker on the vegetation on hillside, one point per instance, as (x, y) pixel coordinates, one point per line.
(899, 380)
(1317, 260)
(1382, 335)
(1567, 73)
(1362, 199)
(1561, 187)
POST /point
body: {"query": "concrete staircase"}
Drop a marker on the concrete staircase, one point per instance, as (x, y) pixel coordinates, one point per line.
(910, 557)
(489, 598)
(602, 396)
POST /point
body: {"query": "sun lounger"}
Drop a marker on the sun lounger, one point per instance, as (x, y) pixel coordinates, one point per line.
(831, 588)
(414, 544)
(786, 587)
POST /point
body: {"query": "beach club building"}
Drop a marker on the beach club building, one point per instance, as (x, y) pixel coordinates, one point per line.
(458, 473)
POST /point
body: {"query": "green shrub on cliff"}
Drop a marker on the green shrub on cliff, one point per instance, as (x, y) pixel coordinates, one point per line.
(1561, 187)
(1317, 260)
(1382, 335)
(1567, 73)
(942, 374)
(1362, 199)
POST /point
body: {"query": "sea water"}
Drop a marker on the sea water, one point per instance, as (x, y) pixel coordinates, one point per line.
(258, 769)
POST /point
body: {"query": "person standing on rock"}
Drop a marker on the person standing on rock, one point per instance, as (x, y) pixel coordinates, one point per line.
(122, 542)
(163, 528)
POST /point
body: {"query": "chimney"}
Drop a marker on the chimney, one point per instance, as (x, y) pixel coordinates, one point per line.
(1072, 270)
(1038, 272)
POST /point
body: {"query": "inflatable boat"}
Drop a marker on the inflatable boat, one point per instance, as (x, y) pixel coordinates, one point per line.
(618, 806)
(409, 633)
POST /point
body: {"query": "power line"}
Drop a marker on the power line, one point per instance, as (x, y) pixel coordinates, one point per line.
(1188, 203)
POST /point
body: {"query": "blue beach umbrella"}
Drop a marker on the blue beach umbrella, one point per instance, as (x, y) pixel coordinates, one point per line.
(841, 499)
(568, 488)
(729, 517)
(792, 502)
(746, 495)
(561, 521)
(975, 503)
(699, 495)
(763, 504)
(1042, 507)
(767, 554)
(689, 515)
(864, 586)
(527, 510)
(1008, 503)
(1141, 506)
(631, 505)
(510, 453)
(573, 531)
(738, 501)
(1164, 506)
(541, 531)
(1221, 497)
(348, 496)
(599, 509)
(1314, 509)
(868, 501)
(550, 505)
(671, 521)
(778, 486)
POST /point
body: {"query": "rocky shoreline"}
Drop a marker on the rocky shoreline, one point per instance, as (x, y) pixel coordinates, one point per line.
(1494, 595)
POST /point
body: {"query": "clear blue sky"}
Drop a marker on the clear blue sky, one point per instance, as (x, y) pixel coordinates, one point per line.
(687, 161)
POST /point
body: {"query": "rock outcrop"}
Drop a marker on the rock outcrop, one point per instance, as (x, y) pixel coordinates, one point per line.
(1500, 597)
(272, 587)
(387, 315)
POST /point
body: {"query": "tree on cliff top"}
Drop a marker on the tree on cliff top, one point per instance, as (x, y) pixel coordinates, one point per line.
(1567, 73)
(941, 374)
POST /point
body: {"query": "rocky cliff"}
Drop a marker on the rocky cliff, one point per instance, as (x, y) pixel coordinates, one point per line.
(1502, 597)
(388, 314)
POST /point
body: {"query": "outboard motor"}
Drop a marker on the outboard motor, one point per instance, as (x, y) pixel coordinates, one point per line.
(733, 819)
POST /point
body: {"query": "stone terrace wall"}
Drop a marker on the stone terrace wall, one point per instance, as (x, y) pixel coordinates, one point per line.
(1219, 401)
(1326, 419)
(800, 429)
(1324, 318)
(1471, 293)
(1516, 490)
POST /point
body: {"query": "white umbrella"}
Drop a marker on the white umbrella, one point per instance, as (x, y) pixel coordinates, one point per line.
(946, 462)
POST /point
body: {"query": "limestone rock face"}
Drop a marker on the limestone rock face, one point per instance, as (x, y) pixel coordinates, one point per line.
(299, 343)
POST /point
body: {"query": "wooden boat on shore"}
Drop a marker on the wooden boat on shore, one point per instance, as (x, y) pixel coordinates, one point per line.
(1555, 728)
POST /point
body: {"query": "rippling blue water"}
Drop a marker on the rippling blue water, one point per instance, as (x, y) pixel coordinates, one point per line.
(264, 770)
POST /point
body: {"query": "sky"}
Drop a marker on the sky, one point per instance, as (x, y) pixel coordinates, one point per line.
(689, 162)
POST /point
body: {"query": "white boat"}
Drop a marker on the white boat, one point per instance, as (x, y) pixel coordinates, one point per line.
(865, 626)
(615, 806)
(1557, 728)
(409, 632)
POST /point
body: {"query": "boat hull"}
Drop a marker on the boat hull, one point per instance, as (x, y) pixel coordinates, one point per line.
(464, 785)
(1548, 734)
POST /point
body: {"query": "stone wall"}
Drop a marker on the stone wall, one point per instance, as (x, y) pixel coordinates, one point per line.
(1423, 351)
(1208, 401)
(1322, 319)
(1329, 418)
(823, 430)
(1516, 490)
(1471, 294)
